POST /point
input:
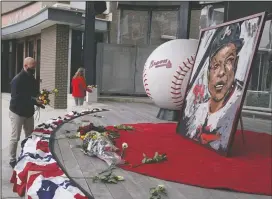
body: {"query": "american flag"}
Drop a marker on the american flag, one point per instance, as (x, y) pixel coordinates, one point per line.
(49, 182)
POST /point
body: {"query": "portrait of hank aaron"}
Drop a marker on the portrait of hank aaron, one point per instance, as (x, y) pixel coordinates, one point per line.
(213, 116)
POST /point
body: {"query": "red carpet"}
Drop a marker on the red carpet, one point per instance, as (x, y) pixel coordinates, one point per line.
(248, 170)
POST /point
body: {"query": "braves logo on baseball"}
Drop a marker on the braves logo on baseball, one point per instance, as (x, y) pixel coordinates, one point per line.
(161, 63)
(167, 84)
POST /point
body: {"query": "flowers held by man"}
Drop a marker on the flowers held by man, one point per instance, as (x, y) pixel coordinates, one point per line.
(44, 95)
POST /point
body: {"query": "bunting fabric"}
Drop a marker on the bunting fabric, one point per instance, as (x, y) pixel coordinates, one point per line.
(49, 181)
(52, 185)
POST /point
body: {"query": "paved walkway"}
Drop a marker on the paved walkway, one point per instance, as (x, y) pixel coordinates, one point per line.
(81, 167)
(132, 115)
(45, 114)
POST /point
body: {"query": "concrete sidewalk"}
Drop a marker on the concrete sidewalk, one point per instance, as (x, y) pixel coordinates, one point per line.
(45, 114)
(257, 125)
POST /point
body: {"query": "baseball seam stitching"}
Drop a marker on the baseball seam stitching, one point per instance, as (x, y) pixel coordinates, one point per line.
(177, 80)
(146, 84)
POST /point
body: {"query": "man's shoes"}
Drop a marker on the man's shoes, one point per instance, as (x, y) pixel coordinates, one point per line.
(12, 163)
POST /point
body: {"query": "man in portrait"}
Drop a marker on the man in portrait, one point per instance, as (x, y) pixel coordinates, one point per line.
(212, 121)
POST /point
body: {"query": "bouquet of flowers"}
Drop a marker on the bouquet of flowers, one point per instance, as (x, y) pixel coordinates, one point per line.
(44, 95)
(91, 87)
(110, 134)
(96, 144)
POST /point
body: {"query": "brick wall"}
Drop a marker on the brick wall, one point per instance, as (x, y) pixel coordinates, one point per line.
(54, 62)
(61, 80)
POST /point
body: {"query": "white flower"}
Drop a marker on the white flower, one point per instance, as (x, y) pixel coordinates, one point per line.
(161, 187)
(124, 145)
(120, 178)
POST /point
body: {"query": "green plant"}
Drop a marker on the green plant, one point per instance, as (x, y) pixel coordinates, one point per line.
(157, 158)
(157, 192)
(109, 178)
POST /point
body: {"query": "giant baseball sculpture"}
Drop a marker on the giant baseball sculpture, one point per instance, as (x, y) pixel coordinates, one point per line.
(167, 71)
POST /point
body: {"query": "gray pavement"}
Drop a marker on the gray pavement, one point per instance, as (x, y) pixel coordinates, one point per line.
(6, 192)
(45, 114)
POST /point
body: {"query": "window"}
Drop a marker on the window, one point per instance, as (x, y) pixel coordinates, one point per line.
(195, 24)
(163, 24)
(210, 15)
(261, 79)
(148, 26)
(259, 92)
(133, 27)
(30, 48)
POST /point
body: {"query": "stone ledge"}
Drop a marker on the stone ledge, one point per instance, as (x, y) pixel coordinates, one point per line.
(125, 99)
(249, 112)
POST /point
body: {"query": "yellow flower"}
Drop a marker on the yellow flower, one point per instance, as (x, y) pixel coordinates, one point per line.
(94, 137)
(82, 137)
(120, 178)
(124, 145)
(55, 90)
(45, 102)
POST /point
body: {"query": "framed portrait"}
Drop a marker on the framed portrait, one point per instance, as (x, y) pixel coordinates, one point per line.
(218, 82)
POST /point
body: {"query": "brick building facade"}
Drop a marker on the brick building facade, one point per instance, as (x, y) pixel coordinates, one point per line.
(54, 62)
(51, 33)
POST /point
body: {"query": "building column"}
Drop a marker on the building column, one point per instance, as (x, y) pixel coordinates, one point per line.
(54, 63)
(184, 16)
(89, 44)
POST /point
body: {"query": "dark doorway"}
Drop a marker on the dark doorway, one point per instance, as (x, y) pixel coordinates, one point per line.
(11, 61)
(76, 53)
(4, 67)
(38, 66)
(77, 50)
(19, 57)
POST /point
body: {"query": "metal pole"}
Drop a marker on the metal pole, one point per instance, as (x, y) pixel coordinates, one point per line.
(89, 44)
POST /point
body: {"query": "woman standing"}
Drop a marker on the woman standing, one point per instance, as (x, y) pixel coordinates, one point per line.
(79, 87)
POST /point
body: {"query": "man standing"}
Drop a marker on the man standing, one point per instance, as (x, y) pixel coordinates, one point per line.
(24, 91)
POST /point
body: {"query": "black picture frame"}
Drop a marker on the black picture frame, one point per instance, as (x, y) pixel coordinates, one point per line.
(192, 80)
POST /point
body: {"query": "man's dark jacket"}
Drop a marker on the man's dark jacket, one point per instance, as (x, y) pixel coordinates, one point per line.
(23, 89)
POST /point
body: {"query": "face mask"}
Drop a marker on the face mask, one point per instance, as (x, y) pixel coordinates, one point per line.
(31, 71)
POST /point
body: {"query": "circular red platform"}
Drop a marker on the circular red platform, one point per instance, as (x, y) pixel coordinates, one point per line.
(248, 170)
